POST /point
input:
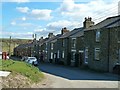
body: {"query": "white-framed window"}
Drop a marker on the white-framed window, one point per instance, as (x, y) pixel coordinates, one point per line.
(86, 55)
(54, 55)
(73, 42)
(97, 53)
(97, 36)
(63, 54)
(51, 55)
(51, 46)
(58, 54)
(46, 46)
(63, 42)
(73, 56)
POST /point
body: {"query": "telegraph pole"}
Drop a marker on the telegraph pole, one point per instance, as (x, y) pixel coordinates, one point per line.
(10, 45)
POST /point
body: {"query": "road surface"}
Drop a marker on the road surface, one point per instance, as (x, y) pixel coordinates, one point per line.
(59, 76)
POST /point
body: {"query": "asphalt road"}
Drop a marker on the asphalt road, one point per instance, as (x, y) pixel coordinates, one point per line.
(59, 76)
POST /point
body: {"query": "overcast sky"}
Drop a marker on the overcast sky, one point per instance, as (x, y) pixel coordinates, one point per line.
(22, 18)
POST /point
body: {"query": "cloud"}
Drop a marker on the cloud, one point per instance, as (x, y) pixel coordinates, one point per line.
(24, 35)
(95, 9)
(41, 31)
(35, 14)
(18, 1)
(24, 18)
(63, 23)
(13, 23)
(39, 14)
(23, 9)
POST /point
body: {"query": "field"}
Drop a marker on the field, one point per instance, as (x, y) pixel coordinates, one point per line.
(9, 44)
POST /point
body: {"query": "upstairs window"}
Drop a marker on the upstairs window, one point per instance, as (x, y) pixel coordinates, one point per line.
(97, 36)
(46, 46)
(73, 42)
(63, 42)
(51, 46)
(97, 53)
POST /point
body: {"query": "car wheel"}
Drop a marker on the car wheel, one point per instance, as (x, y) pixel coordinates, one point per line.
(32, 63)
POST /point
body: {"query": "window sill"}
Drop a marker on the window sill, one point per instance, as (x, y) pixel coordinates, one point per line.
(97, 60)
(118, 41)
(86, 62)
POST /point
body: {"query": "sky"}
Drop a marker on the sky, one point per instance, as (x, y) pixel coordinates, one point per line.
(23, 18)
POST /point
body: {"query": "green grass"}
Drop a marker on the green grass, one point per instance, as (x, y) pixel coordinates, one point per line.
(23, 68)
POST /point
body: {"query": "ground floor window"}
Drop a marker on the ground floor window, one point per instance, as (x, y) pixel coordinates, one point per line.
(63, 54)
(58, 54)
(97, 53)
(73, 56)
(86, 55)
(51, 55)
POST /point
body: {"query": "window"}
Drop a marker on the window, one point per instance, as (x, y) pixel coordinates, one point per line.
(63, 54)
(97, 53)
(51, 55)
(97, 36)
(63, 42)
(86, 55)
(46, 46)
(73, 42)
(73, 56)
(51, 46)
(58, 56)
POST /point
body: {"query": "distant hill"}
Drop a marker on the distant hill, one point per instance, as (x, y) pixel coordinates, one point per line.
(8, 45)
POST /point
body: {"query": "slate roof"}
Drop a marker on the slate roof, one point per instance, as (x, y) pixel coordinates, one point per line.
(115, 24)
(24, 45)
(70, 33)
(105, 23)
(53, 38)
(79, 33)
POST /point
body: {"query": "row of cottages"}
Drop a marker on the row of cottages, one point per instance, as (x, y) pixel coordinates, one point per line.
(96, 46)
(24, 50)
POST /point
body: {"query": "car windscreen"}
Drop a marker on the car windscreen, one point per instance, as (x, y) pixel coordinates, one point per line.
(32, 58)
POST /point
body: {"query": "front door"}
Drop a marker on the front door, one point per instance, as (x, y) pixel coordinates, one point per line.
(81, 58)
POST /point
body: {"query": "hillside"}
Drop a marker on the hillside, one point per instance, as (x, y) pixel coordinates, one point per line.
(8, 45)
(22, 74)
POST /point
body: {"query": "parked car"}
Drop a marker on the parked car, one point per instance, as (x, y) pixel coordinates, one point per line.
(32, 60)
(116, 68)
(24, 58)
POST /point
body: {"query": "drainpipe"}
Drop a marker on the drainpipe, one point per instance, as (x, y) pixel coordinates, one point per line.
(108, 47)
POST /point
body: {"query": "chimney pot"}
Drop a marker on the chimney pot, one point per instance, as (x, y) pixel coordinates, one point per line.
(88, 22)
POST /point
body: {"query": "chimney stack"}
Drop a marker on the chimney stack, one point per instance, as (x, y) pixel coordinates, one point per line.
(88, 22)
(50, 35)
(64, 30)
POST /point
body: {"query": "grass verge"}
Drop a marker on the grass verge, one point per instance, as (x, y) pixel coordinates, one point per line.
(22, 68)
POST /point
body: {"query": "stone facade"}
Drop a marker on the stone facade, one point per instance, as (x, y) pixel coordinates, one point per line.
(102, 44)
(96, 46)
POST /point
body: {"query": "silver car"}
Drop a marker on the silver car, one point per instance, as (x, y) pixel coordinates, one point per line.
(32, 60)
